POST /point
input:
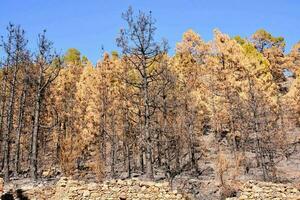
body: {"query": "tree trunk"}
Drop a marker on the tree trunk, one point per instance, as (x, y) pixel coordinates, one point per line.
(20, 127)
(34, 153)
(159, 151)
(113, 148)
(127, 146)
(149, 165)
(177, 154)
(192, 146)
(129, 161)
(3, 101)
(142, 163)
(103, 127)
(9, 126)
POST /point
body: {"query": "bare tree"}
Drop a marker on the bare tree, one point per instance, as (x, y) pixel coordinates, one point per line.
(47, 64)
(22, 104)
(140, 53)
(16, 56)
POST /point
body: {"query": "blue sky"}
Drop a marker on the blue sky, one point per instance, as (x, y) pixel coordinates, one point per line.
(89, 24)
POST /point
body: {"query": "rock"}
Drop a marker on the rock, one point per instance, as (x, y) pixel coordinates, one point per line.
(105, 186)
(121, 182)
(162, 185)
(283, 195)
(294, 190)
(136, 188)
(46, 173)
(129, 182)
(123, 196)
(143, 188)
(243, 197)
(93, 186)
(150, 183)
(86, 193)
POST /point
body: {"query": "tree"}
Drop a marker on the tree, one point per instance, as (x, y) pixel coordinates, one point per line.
(22, 111)
(47, 65)
(293, 62)
(142, 110)
(63, 91)
(292, 97)
(189, 61)
(245, 90)
(72, 56)
(141, 53)
(16, 58)
(273, 49)
(263, 40)
(109, 106)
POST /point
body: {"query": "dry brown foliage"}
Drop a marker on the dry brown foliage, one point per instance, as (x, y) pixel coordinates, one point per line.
(222, 166)
(68, 155)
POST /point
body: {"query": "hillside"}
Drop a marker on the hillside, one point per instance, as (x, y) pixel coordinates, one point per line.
(202, 122)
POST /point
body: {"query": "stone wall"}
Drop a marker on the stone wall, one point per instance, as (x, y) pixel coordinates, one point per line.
(67, 189)
(110, 190)
(264, 190)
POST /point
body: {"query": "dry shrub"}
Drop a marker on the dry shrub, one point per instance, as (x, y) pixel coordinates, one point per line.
(98, 167)
(68, 155)
(231, 189)
(228, 191)
(239, 164)
(222, 166)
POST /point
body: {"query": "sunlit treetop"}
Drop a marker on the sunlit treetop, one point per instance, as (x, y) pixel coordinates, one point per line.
(263, 40)
(72, 56)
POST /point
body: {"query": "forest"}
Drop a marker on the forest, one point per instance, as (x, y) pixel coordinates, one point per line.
(231, 105)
